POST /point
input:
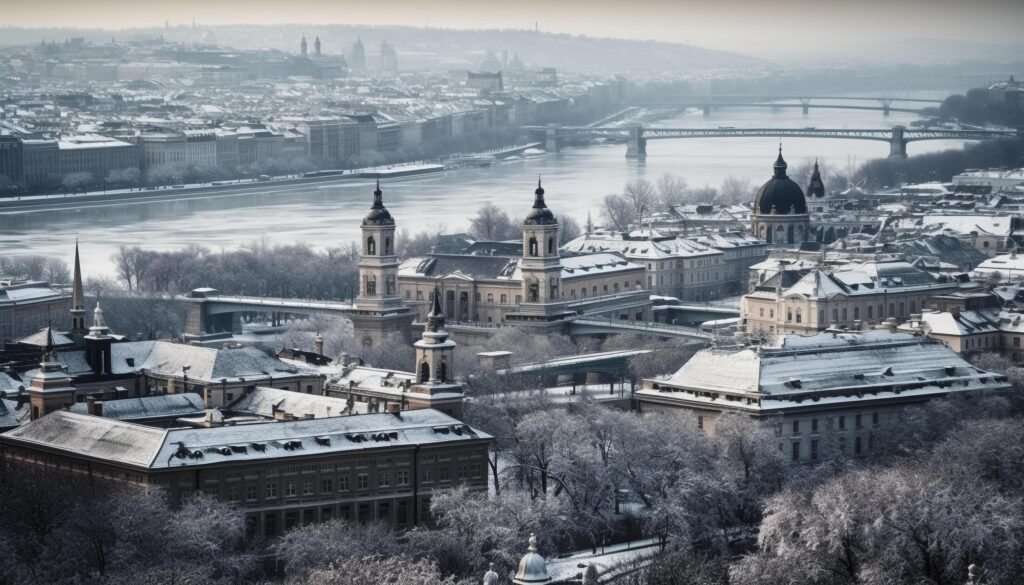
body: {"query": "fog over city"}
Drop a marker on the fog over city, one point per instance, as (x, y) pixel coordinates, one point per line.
(572, 293)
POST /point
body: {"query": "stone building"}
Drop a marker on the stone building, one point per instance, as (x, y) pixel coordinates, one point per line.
(780, 210)
(373, 467)
(431, 384)
(853, 296)
(492, 284)
(836, 391)
(28, 306)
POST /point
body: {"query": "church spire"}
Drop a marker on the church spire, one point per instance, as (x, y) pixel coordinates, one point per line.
(77, 297)
(435, 319)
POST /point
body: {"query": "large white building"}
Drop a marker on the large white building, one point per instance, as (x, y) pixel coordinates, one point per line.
(834, 391)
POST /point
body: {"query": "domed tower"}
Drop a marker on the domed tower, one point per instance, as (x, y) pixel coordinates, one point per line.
(97, 344)
(532, 567)
(435, 376)
(540, 266)
(379, 310)
(780, 210)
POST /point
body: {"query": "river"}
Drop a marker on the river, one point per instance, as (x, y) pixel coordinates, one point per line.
(575, 180)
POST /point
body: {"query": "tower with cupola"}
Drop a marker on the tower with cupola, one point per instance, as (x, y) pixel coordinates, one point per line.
(378, 309)
(435, 385)
(540, 267)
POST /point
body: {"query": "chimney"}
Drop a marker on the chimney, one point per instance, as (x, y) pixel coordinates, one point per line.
(395, 409)
(93, 406)
(318, 345)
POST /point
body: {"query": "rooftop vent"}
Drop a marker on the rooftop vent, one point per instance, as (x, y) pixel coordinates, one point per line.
(261, 447)
(323, 441)
(292, 445)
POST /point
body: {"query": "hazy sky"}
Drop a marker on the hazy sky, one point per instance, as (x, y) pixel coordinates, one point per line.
(765, 27)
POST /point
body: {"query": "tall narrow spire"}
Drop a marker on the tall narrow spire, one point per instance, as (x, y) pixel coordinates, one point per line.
(435, 320)
(77, 297)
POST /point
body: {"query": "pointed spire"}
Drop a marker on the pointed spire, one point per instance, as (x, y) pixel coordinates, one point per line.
(77, 290)
(435, 320)
(538, 200)
(77, 297)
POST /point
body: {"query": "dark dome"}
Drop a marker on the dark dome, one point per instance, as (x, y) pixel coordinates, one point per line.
(780, 195)
(539, 214)
(379, 215)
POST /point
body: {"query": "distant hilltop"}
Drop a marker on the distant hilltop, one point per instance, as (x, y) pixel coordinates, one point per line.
(428, 48)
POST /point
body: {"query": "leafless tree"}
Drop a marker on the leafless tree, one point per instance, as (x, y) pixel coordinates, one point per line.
(492, 224)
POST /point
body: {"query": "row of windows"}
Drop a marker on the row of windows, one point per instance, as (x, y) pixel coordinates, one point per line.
(841, 422)
(290, 488)
(796, 449)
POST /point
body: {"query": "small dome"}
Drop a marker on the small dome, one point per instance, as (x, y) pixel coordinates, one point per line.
(379, 215)
(490, 577)
(780, 195)
(539, 214)
(532, 568)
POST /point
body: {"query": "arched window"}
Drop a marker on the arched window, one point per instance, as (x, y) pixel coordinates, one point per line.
(387, 246)
(424, 373)
(442, 372)
(390, 285)
(371, 285)
(371, 246)
(533, 292)
(533, 246)
(551, 246)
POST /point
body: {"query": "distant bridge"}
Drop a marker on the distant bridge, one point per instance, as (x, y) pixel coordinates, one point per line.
(636, 135)
(708, 103)
(590, 326)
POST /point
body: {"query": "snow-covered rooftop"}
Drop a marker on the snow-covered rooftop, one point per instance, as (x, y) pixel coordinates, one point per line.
(141, 446)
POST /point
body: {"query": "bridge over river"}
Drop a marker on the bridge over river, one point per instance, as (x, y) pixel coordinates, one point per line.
(636, 135)
(708, 103)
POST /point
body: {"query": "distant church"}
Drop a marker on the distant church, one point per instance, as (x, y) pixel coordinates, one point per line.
(780, 215)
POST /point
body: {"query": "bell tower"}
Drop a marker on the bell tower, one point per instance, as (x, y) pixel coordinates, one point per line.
(50, 388)
(540, 267)
(435, 385)
(378, 309)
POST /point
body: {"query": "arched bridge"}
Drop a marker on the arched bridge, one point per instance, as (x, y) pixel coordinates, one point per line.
(636, 136)
(805, 103)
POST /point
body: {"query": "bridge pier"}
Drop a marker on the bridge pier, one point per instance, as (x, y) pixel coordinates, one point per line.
(636, 144)
(886, 106)
(551, 139)
(897, 143)
(707, 110)
(806, 105)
